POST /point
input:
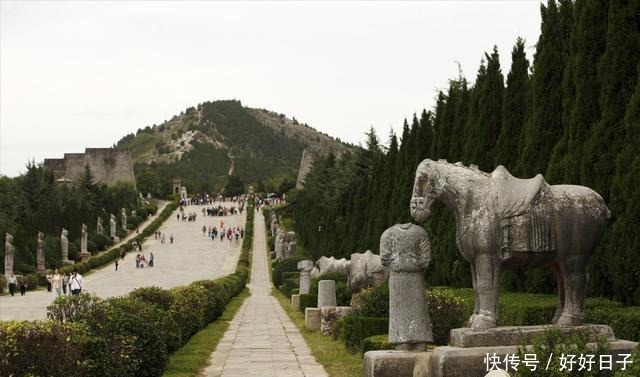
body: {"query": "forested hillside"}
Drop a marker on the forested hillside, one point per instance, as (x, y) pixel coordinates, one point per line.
(207, 144)
(572, 114)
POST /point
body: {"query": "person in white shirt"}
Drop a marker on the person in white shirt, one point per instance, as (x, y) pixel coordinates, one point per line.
(56, 283)
(76, 283)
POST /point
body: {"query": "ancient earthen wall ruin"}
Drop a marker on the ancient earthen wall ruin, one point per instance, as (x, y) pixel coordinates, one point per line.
(108, 165)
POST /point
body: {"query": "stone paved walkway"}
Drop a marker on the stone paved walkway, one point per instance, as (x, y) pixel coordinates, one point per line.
(261, 339)
(191, 257)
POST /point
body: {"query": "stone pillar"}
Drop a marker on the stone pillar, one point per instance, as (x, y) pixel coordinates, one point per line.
(64, 246)
(405, 249)
(40, 254)
(83, 242)
(112, 226)
(327, 293)
(305, 268)
(9, 255)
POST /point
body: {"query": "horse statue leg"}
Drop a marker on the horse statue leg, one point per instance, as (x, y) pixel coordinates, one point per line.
(487, 290)
(575, 291)
(561, 292)
(475, 295)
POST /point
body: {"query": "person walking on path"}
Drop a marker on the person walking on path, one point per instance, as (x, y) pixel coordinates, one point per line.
(151, 257)
(171, 238)
(77, 284)
(13, 283)
(48, 277)
(56, 282)
(116, 265)
(65, 283)
(23, 286)
(204, 230)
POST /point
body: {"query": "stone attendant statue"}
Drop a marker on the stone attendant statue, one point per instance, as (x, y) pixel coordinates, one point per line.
(124, 218)
(9, 254)
(502, 221)
(290, 249)
(83, 240)
(100, 226)
(405, 249)
(280, 244)
(64, 246)
(40, 268)
(112, 226)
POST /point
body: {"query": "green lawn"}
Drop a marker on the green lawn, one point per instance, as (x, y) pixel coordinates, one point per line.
(333, 355)
(188, 360)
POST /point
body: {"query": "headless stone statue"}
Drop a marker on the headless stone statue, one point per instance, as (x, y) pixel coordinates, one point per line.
(40, 254)
(290, 249)
(9, 255)
(405, 249)
(124, 219)
(100, 226)
(280, 244)
(112, 226)
(64, 246)
(83, 240)
(305, 268)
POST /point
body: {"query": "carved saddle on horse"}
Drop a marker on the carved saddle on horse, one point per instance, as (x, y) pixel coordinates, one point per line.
(524, 207)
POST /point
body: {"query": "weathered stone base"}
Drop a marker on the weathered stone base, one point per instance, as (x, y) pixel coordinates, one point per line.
(470, 362)
(515, 335)
(67, 262)
(84, 255)
(312, 318)
(295, 302)
(329, 315)
(394, 363)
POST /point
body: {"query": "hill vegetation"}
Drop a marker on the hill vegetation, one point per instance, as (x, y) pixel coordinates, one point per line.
(207, 144)
(574, 115)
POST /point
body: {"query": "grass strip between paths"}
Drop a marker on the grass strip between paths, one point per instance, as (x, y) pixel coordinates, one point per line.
(333, 355)
(192, 357)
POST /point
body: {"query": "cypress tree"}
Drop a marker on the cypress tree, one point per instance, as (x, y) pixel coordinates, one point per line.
(460, 110)
(515, 107)
(617, 77)
(471, 132)
(544, 126)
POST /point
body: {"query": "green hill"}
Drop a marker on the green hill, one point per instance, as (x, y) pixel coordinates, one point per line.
(206, 144)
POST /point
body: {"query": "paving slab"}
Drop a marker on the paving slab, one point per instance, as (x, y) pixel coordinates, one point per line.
(261, 339)
(190, 257)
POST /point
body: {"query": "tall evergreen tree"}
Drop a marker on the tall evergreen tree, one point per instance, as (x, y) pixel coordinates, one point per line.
(515, 107)
(544, 127)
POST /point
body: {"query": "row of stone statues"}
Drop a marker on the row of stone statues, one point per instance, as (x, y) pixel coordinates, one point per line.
(9, 248)
(285, 242)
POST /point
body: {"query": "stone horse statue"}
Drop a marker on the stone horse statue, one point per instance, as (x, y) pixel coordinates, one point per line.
(511, 222)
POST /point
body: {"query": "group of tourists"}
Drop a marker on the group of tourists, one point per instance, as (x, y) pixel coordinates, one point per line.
(230, 233)
(141, 260)
(221, 211)
(15, 282)
(160, 236)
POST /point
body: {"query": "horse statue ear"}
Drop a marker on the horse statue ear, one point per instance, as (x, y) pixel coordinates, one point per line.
(442, 160)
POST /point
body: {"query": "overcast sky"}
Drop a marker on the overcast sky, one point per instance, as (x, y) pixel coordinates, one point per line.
(84, 74)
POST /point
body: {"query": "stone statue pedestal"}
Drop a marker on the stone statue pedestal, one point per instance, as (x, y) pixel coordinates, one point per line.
(68, 262)
(312, 318)
(84, 255)
(466, 356)
(515, 335)
(329, 315)
(295, 301)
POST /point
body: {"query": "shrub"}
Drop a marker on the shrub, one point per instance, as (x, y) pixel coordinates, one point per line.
(32, 281)
(308, 300)
(372, 302)
(289, 285)
(142, 213)
(157, 296)
(634, 369)
(553, 343)
(285, 265)
(188, 309)
(134, 221)
(3, 283)
(295, 291)
(155, 333)
(376, 343)
(356, 329)
(447, 311)
(87, 308)
(101, 241)
(43, 348)
(91, 246)
(625, 322)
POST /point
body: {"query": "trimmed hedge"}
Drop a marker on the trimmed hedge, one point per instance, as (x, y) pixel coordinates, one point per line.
(356, 329)
(376, 343)
(121, 336)
(285, 265)
(308, 300)
(289, 285)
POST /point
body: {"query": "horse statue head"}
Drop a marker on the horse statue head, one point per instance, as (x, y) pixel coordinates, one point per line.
(427, 188)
